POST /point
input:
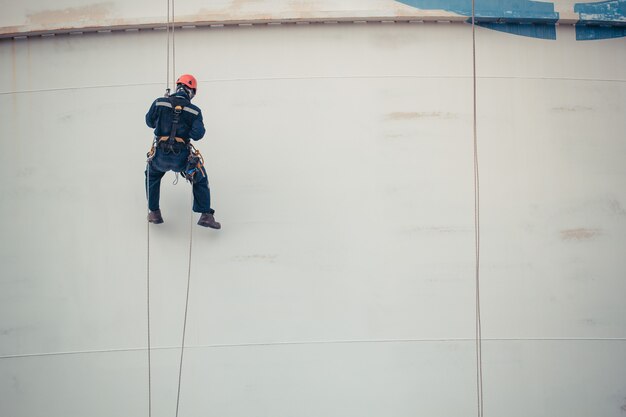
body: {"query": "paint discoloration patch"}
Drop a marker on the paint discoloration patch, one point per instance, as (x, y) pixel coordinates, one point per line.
(589, 322)
(94, 12)
(305, 6)
(616, 207)
(5, 332)
(256, 258)
(66, 118)
(436, 230)
(420, 115)
(568, 109)
(12, 29)
(579, 234)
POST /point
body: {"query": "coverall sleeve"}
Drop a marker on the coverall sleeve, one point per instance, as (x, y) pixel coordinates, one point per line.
(151, 116)
(197, 128)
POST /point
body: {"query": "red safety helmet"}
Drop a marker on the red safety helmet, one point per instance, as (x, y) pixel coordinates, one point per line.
(188, 80)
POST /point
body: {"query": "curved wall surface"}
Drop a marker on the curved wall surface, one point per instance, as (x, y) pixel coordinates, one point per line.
(340, 158)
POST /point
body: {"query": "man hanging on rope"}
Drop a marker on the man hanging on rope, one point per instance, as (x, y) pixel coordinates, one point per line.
(175, 121)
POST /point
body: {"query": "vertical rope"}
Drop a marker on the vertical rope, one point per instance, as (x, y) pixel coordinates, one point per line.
(167, 78)
(173, 48)
(479, 359)
(182, 349)
(148, 295)
(167, 30)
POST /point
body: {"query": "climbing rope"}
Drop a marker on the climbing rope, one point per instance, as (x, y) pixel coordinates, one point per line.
(148, 295)
(173, 50)
(182, 345)
(167, 50)
(479, 359)
(150, 156)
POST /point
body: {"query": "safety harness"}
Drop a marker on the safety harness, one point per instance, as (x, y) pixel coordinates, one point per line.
(195, 161)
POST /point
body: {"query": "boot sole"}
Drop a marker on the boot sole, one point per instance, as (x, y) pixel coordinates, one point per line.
(209, 226)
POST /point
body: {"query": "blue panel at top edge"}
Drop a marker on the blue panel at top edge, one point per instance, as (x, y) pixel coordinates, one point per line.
(614, 10)
(504, 9)
(501, 15)
(532, 31)
(592, 33)
(601, 12)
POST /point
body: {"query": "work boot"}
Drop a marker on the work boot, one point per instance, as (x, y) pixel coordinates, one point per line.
(155, 217)
(207, 220)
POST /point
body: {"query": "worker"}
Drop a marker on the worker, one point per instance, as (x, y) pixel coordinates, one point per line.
(175, 122)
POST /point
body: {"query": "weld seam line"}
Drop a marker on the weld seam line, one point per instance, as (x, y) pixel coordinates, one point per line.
(328, 342)
(225, 80)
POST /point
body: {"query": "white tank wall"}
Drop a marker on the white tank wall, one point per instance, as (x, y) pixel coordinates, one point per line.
(340, 161)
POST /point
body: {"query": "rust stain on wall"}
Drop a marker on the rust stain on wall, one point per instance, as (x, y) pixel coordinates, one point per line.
(257, 10)
(420, 115)
(293, 10)
(579, 234)
(11, 29)
(304, 6)
(94, 12)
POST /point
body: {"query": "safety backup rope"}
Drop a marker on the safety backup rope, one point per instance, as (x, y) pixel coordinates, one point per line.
(148, 294)
(173, 54)
(182, 345)
(479, 358)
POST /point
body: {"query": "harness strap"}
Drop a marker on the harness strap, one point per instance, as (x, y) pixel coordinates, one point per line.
(177, 109)
(175, 120)
(176, 138)
(187, 109)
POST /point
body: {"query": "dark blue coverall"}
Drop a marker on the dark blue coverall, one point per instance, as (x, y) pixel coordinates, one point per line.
(190, 126)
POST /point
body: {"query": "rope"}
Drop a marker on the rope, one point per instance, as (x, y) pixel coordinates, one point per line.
(173, 49)
(148, 296)
(148, 232)
(167, 30)
(182, 349)
(479, 359)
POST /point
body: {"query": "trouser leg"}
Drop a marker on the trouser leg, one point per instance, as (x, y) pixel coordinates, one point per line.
(153, 186)
(202, 195)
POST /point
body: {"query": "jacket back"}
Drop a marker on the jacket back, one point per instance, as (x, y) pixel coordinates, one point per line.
(161, 115)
